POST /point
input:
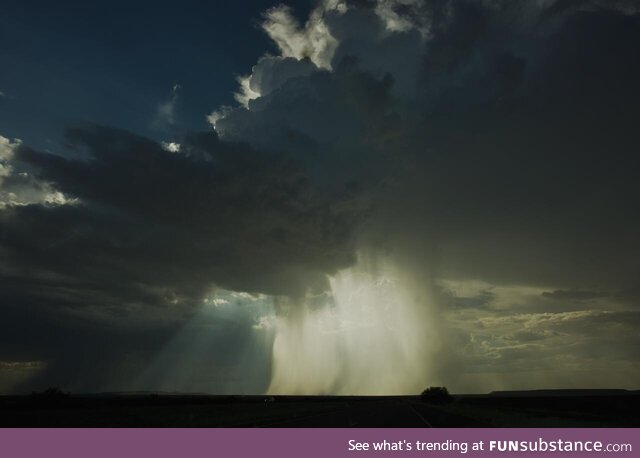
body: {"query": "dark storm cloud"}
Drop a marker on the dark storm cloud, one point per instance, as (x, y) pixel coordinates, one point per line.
(507, 143)
(559, 7)
(530, 176)
(103, 282)
(158, 227)
(506, 140)
(488, 141)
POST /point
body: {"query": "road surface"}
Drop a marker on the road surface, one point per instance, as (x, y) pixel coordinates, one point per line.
(382, 414)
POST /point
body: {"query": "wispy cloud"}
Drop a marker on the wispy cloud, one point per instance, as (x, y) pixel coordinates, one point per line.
(165, 116)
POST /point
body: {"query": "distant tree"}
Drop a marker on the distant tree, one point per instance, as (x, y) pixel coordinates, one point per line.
(436, 395)
(51, 396)
(51, 392)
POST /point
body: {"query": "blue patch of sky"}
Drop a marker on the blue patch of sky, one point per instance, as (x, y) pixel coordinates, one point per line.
(115, 62)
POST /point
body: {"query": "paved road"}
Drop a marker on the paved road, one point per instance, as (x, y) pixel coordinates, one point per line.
(382, 414)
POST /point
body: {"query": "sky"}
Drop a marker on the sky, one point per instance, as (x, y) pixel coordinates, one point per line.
(333, 197)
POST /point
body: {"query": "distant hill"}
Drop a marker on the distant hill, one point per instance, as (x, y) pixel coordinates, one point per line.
(562, 393)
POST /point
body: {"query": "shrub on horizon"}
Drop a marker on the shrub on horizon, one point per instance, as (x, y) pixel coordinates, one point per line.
(436, 394)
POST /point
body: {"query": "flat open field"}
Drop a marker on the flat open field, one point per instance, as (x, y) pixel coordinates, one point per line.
(525, 409)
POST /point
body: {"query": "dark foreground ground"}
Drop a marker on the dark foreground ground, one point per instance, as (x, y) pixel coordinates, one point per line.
(515, 409)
